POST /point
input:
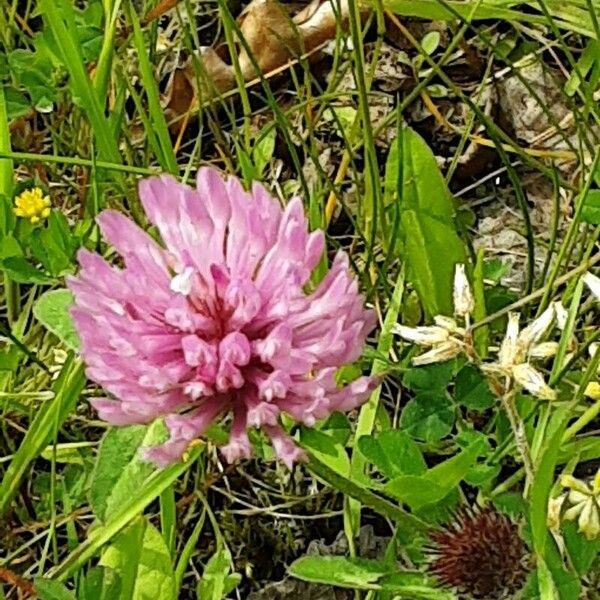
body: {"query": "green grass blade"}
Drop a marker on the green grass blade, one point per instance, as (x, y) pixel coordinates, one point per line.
(157, 117)
(80, 81)
(6, 165)
(66, 390)
(99, 536)
(366, 418)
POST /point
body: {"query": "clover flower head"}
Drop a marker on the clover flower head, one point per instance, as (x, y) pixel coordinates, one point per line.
(218, 319)
(33, 205)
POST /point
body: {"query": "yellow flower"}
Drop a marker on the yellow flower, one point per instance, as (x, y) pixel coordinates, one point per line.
(33, 205)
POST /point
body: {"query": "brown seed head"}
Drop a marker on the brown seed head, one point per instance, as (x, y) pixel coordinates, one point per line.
(481, 555)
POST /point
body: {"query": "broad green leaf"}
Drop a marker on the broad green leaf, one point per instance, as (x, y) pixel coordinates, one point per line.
(120, 471)
(101, 583)
(437, 482)
(53, 245)
(140, 557)
(590, 211)
(415, 491)
(471, 389)
(429, 377)
(352, 573)
(417, 586)
(429, 242)
(326, 449)
(63, 453)
(429, 416)
(22, 271)
(582, 551)
(48, 589)
(449, 473)
(52, 310)
(393, 452)
(362, 574)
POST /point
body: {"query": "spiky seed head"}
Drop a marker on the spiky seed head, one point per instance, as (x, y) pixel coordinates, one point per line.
(481, 555)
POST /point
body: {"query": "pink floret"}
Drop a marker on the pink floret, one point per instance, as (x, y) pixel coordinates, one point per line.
(217, 321)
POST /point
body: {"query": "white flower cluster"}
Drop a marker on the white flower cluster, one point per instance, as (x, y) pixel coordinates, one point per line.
(449, 337)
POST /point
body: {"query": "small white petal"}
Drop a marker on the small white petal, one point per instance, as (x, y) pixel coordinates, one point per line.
(589, 520)
(448, 323)
(441, 353)
(592, 351)
(464, 302)
(533, 381)
(561, 315)
(572, 513)
(554, 509)
(508, 348)
(573, 483)
(593, 283)
(182, 282)
(537, 328)
(426, 336)
(544, 350)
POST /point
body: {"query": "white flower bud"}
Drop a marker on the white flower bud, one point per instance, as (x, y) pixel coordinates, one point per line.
(464, 302)
(508, 348)
(425, 336)
(537, 328)
(440, 353)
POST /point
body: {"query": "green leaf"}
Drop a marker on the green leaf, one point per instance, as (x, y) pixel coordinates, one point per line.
(101, 583)
(263, 149)
(471, 389)
(326, 449)
(216, 580)
(141, 558)
(437, 482)
(544, 479)
(590, 211)
(52, 310)
(415, 491)
(53, 245)
(119, 471)
(429, 416)
(582, 551)
(429, 377)
(429, 242)
(394, 453)
(21, 271)
(48, 589)
(430, 42)
(362, 574)
(354, 573)
(62, 453)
